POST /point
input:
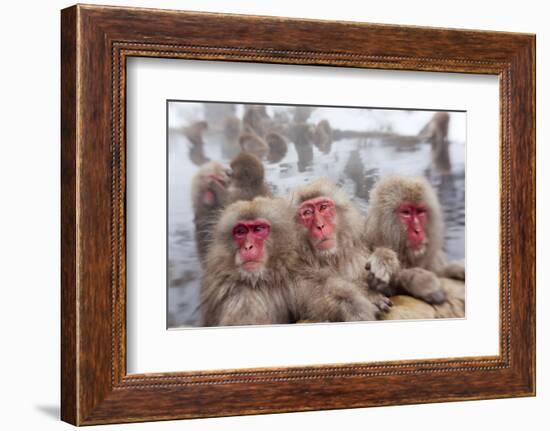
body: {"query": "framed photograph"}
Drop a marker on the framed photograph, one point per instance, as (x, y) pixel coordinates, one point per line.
(318, 215)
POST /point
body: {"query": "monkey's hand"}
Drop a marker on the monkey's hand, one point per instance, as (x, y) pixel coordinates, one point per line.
(422, 284)
(217, 184)
(343, 301)
(455, 270)
(381, 267)
(381, 301)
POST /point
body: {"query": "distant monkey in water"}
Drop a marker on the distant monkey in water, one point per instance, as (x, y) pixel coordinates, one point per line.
(404, 215)
(323, 137)
(247, 178)
(231, 132)
(277, 147)
(436, 132)
(302, 134)
(253, 143)
(302, 113)
(256, 119)
(194, 133)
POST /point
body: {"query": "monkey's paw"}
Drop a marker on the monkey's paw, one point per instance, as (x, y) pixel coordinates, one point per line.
(377, 285)
(456, 271)
(383, 263)
(424, 285)
(383, 303)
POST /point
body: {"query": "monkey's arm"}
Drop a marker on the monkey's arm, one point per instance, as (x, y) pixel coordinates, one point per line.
(454, 270)
(443, 268)
(422, 284)
(335, 300)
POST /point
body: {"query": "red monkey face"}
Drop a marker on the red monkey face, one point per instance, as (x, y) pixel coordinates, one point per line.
(249, 235)
(318, 215)
(413, 217)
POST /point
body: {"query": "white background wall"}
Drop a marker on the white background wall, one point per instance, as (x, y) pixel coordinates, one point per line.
(29, 215)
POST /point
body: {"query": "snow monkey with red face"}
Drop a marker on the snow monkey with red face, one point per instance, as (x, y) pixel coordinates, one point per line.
(251, 266)
(333, 256)
(404, 215)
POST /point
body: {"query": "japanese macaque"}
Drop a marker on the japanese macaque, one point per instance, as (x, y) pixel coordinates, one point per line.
(194, 133)
(436, 132)
(232, 128)
(302, 134)
(302, 113)
(252, 143)
(250, 266)
(256, 119)
(231, 132)
(322, 136)
(247, 178)
(277, 147)
(333, 256)
(209, 194)
(363, 179)
(404, 215)
(216, 113)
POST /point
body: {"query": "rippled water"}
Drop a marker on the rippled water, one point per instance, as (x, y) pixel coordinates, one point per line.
(355, 164)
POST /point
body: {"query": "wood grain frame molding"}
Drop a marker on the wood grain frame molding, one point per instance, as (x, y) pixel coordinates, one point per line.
(96, 41)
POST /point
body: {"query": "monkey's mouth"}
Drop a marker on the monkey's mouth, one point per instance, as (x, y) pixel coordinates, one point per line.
(325, 244)
(417, 244)
(252, 265)
(417, 251)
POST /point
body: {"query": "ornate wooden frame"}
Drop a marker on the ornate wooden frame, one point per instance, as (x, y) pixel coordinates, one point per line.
(95, 43)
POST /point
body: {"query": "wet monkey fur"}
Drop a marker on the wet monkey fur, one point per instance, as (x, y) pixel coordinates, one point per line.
(333, 256)
(405, 216)
(251, 266)
(247, 178)
(209, 196)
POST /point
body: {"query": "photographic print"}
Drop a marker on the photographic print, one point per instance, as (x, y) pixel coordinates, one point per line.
(282, 214)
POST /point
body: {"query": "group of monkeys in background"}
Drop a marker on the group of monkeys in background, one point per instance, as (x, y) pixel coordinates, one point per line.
(268, 137)
(313, 256)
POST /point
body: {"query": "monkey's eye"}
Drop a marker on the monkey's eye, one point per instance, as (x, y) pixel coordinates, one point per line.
(307, 212)
(323, 207)
(421, 211)
(260, 228)
(405, 212)
(240, 230)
